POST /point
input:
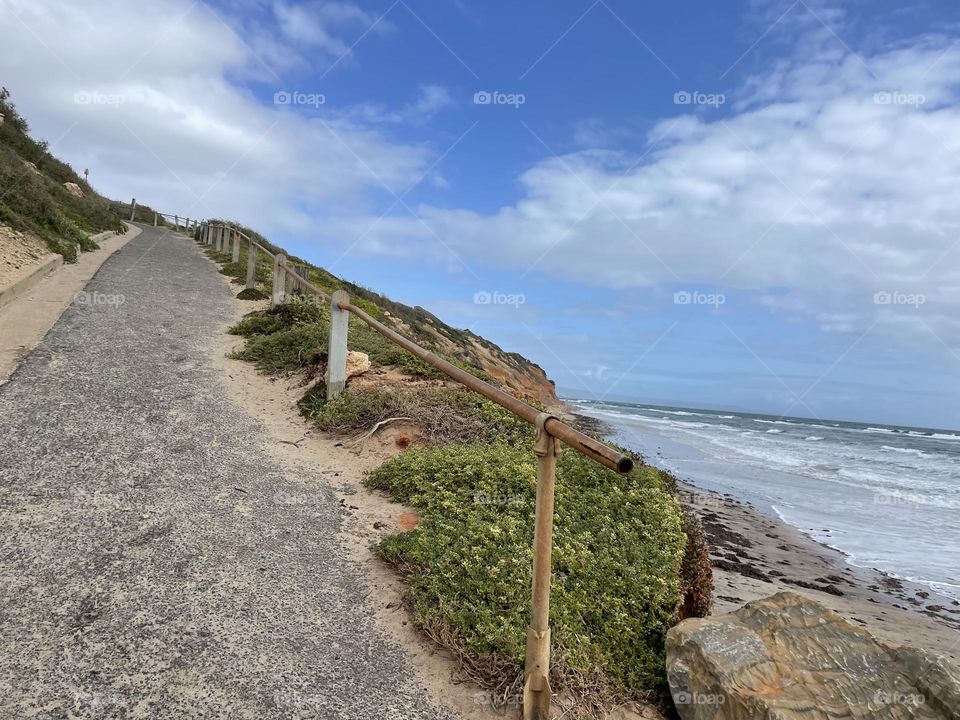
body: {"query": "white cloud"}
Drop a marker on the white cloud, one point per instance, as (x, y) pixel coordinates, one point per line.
(431, 100)
(184, 137)
(826, 183)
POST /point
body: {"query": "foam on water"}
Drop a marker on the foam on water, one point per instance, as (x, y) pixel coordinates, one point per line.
(886, 496)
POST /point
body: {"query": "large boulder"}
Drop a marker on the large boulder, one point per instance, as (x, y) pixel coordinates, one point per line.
(786, 657)
(73, 189)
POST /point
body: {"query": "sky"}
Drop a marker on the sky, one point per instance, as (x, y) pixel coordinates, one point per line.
(748, 205)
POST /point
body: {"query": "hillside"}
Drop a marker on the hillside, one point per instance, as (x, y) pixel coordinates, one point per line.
(45, 203)
(523, 378)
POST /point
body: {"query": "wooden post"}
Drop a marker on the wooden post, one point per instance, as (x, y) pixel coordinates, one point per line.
(536, 672)
(155, 219)
(236, 245)
(176, 222)
(251, 264)
(337, 349)
(279, 279)
(219, 238)
(133, 208)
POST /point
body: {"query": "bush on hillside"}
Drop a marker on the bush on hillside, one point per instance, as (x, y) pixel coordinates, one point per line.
(444, 414)
(619, 544)
(34, 199)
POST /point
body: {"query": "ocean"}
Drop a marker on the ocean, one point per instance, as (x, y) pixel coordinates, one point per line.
(887, 497)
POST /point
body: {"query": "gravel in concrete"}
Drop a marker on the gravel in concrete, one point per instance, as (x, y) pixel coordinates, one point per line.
(151, 564)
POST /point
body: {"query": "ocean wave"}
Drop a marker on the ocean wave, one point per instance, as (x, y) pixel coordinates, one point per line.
(682, 413)
(885, 431)
(905, 451)
(774, 431)
(813, 438)
(774, 422)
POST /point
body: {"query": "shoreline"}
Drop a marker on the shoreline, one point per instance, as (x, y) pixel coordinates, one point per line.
(755, 554)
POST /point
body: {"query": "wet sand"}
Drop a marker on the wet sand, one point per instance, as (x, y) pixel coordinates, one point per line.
(755, 555)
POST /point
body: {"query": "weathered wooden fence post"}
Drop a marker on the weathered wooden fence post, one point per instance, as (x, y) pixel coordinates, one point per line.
(155, 219)
(220, 238)
(251, 264)
(536, 671)
(133, 208)
(176, 223)
(236, 245)
(279, 279)
(337, 349)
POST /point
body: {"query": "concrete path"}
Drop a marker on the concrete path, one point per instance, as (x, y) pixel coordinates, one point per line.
(145, 569)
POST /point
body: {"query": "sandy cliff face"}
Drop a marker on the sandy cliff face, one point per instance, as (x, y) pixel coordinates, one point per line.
(520, 377)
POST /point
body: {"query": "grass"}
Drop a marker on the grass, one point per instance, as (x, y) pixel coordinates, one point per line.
(34, 199)
(294, 343)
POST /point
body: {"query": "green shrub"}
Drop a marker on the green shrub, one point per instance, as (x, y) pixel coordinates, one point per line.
(251, 294)
(619, 544)
(444, 414)
(288, 349)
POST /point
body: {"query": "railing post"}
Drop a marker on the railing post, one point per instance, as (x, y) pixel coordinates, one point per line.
(236, 245)
(176, 223)
(155, 219)
(536, 672)
(279, 279)
(133, 208)
(251, 264)
(219, 238)
(337, 349)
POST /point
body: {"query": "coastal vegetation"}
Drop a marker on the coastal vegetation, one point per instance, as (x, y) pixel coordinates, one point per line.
(44, 196)
(629, 563)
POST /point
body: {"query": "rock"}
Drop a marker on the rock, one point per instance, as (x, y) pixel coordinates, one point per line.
(32, 168)
(787, 657)
(73, 189)
(357, 364)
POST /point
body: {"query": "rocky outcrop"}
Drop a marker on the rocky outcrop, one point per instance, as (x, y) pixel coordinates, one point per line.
(73, 189)
(787, 657)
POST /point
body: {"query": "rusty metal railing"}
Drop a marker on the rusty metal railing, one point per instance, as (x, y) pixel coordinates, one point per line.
(549, 433)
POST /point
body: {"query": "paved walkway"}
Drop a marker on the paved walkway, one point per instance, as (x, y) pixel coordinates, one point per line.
(145, 569)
